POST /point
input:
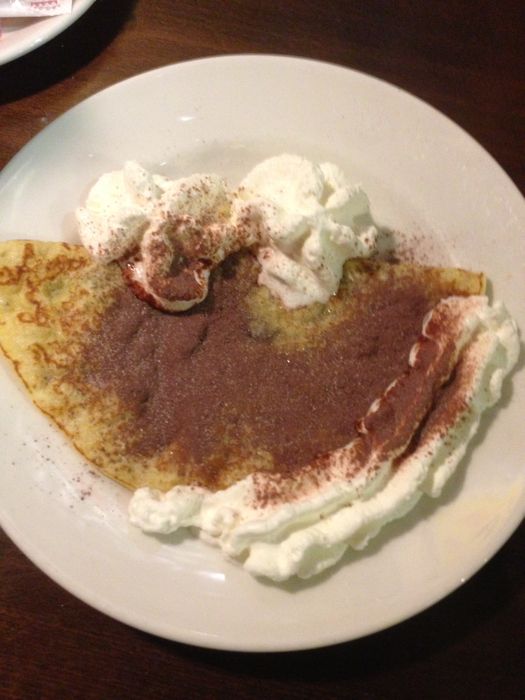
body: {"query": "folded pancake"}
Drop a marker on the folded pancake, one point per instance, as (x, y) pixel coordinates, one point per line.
(285, 436)
(237, 385)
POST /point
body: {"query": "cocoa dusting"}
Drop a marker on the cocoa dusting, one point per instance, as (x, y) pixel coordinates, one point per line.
(203, 380)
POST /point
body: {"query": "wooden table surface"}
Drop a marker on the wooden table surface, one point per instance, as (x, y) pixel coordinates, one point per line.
(466, 59)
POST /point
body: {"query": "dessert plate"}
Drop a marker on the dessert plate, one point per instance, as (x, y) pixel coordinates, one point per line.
(20, 35)
(426, 178)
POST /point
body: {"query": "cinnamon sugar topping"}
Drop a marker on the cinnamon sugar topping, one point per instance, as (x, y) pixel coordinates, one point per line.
(216, 385)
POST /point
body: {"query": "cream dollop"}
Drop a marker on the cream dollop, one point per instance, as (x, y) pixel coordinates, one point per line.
(311, 218)
(304, 220)
(311, 530)
(192, 222)
(117, 211)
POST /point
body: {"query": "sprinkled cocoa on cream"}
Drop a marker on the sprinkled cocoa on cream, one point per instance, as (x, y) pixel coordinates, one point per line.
(305, 219)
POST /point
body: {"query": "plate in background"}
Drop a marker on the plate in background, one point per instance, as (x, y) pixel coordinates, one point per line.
(20, 35)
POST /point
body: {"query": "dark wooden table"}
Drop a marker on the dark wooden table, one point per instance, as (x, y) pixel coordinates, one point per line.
(466, 59)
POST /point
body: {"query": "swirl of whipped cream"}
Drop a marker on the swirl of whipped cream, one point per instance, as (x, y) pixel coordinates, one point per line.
(306, 524)
(313, 220)
(306, 528)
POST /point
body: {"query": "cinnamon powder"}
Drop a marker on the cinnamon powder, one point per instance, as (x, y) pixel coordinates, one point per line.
(204, 380)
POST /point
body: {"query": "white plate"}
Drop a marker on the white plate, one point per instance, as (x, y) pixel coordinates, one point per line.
(20, 35)
(423, 173)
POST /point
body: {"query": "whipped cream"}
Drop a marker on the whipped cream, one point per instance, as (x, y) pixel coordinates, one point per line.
(302, 218)
(145, 221)
(118, 210)
(310, 529)
(190, 222)
(309, 214)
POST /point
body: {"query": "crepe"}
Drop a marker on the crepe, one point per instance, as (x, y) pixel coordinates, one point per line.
(54, 299)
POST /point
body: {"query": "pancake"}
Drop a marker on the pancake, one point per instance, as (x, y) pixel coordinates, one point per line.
(236, 386)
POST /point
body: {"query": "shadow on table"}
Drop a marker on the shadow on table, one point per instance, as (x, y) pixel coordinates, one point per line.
(66, 53)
